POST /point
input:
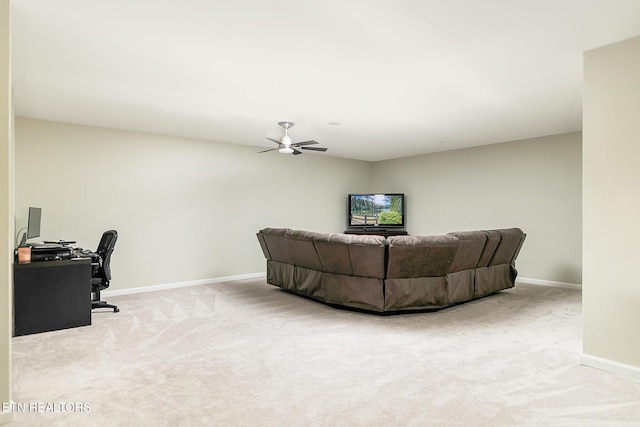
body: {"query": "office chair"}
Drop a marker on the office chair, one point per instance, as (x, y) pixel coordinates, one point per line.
(101, 269)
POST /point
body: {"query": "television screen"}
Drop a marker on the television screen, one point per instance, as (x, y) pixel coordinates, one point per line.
(376, 210)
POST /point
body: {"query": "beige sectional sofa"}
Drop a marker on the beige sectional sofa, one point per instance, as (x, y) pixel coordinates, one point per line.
(394, 274)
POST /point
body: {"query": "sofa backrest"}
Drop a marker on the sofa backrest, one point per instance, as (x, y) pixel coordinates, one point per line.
(420, 256)
(511, 240)
(273, 241)
(406, 256)
(333, 253)
(351, 254)
(493, 238)
(472, 244)
(302, 249)
(263, 245)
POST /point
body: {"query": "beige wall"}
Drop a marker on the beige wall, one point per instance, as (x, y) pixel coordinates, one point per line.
(189, 209)
(185, 210)
(533, 184)
(611, 210)
(6, 208)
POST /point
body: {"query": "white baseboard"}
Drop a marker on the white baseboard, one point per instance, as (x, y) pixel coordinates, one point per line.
(549, 283)
(164, 286)
(610, 366)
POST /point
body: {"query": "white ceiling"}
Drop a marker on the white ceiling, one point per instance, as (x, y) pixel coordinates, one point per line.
(401, 77)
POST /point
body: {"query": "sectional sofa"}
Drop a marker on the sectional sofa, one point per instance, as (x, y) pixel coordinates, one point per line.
(393, 274)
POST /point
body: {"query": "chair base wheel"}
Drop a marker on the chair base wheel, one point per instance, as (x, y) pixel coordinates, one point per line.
(103, 304)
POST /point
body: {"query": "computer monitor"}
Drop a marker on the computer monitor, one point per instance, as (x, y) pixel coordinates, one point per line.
(33, 226)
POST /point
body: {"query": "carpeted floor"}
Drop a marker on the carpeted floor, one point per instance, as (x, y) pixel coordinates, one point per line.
(247, 354)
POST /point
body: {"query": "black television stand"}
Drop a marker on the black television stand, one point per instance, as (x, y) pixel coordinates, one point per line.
(376, 231)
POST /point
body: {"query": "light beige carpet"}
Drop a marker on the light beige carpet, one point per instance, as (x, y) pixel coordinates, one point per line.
(247, 354)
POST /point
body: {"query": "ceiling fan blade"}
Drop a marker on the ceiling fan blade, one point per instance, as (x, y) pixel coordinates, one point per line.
(314, 148)
(310, 142)
(270, 149)
(296, 152)
(274, 140)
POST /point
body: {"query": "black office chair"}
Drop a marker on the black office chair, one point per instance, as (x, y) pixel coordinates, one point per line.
(101, 269)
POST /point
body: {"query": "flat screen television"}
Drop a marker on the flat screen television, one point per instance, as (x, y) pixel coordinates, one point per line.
(385, 210)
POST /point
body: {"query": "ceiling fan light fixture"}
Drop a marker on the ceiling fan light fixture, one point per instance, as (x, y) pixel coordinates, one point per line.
(287, 146)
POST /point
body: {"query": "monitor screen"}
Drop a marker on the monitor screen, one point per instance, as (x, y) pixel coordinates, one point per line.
(373, 210)
(33, 226)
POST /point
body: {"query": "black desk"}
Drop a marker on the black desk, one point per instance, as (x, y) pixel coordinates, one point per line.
(51, 295)
(371, 231)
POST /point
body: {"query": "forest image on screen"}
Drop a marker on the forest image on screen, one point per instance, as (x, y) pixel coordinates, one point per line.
(376, 209)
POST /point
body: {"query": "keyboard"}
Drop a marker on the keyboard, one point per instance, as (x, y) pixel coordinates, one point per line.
(60, 242)
(45, 245)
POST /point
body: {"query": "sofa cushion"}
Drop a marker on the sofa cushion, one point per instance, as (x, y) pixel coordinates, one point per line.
(420, 256)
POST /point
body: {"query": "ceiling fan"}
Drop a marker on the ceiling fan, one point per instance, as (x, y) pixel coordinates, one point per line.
(287, 146)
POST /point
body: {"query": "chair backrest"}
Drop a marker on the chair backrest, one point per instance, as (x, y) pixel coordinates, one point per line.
(105, 248)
